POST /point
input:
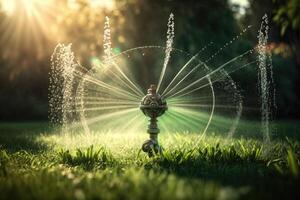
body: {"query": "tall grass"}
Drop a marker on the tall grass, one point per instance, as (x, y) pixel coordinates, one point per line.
(88, 158)
(111, 166)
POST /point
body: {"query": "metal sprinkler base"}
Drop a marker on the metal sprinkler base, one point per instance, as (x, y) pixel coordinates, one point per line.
(153, 106)
(151, 147)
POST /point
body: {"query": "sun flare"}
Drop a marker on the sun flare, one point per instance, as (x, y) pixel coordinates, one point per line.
(33, 25)
(29, 7)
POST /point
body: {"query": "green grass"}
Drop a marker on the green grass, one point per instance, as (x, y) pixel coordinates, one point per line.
(38, 163)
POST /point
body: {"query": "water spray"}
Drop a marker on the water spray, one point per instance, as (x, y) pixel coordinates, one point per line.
(153, 105)
(105, 99)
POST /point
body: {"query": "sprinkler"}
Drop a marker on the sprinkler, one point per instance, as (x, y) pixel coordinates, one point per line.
(153, 106)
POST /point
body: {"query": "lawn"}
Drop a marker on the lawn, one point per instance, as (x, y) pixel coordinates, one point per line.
(37, 162)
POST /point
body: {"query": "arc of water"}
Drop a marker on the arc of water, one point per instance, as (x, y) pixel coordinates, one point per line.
(211, 86)
(211, 73)
(87, 71)
(81, 103)
(205, 85)
(191, 99)
(95, 81)
(183, 68)
(239, 108)
(111, 102)
(110, 87)
(104, 117)
(180, 71)
(80, 92)
(184, 118)
(108, 99)
(119, 107)
(216, 53)
(137, 92)
(169, 43)
(108, 56)
(197, 66)
(107, 116)
(212, 91)
(235, 38)
(200, 105)
(129, 123)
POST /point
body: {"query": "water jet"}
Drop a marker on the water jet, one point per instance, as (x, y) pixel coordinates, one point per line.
(108, 96)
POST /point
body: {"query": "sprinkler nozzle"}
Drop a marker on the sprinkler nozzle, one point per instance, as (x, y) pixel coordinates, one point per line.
(153, 106)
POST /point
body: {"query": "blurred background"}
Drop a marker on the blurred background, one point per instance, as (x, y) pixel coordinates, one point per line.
(30, 30)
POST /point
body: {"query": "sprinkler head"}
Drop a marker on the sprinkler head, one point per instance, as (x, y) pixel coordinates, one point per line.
(153, 106)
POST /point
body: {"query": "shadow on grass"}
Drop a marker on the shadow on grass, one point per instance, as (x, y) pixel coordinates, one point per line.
(230, 168)
(279, 130)
(23, 136)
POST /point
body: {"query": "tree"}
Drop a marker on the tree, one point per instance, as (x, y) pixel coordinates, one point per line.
(287, 16)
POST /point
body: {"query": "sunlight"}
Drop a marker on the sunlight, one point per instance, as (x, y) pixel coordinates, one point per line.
(95, 4)
(29, 6)
(8, 6)
(109, 4)
(11, 7)
(27, 25)
(33, 25)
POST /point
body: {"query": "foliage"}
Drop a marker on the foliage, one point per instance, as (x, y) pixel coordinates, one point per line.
(287, 15)
(3, 161)
(289, 163)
